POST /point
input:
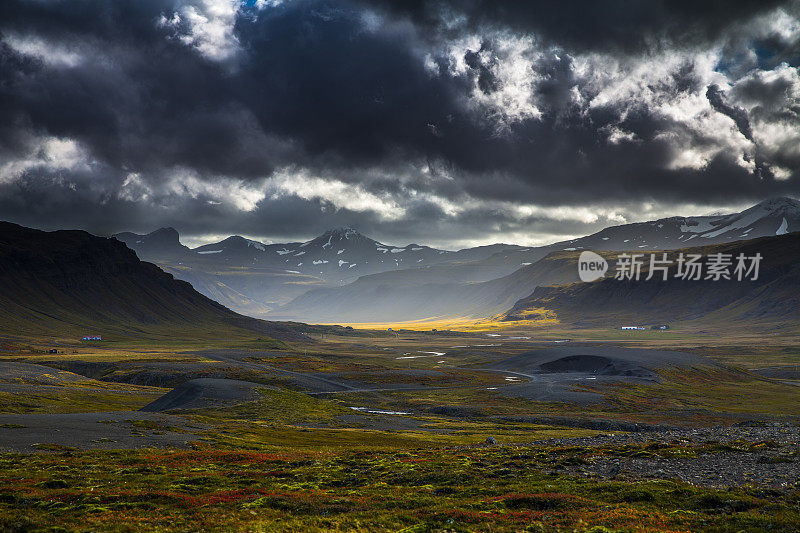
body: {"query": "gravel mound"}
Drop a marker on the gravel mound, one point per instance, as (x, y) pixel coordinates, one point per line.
(204, 393)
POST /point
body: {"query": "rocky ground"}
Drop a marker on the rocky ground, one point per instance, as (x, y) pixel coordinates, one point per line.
(764, 456)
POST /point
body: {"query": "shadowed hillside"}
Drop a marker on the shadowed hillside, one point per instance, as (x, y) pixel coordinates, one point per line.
(71, 280)
(773, 299)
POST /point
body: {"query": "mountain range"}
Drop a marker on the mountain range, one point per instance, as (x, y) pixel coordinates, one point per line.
(486, 287)
(343, 275)
(71, 280)
(256, 278)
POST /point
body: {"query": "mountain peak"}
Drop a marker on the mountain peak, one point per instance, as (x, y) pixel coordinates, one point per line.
(165, 229)
(168, 234)
(234, 242)
(779, 203)
(161, 242)
(233, 239)
(342, 232)
(338, 235)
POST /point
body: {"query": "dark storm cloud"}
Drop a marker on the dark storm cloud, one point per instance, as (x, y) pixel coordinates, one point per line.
(139, 99)
(333, 89)
(487, 82)
(313, 72)
(309, 73)
(613, 25)
(717, 99)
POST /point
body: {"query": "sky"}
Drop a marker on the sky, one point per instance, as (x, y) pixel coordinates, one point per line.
(449, 122)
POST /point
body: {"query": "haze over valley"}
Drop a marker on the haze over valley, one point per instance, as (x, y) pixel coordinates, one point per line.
(344, 276)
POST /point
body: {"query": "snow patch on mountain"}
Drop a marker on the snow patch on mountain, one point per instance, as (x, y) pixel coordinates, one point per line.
(738, 222)
(696, 225)
(783, 229)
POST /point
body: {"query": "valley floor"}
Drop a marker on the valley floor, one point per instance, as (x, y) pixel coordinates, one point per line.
(493, 430)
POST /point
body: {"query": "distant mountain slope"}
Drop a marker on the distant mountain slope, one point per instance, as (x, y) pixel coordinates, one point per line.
(337, 256)
(343, 275)
(254, 278)
(163, 243)
(774, 298)
(71, 280)
(771, 217)
(448, 289)
(406, 295)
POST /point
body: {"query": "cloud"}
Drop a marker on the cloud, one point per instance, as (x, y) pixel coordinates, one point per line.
(425, 120)
(207, 26)
(339, 195)
(717, 99)
(611, 26)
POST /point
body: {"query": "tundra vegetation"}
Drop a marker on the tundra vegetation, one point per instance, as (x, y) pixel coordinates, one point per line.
(406, 446)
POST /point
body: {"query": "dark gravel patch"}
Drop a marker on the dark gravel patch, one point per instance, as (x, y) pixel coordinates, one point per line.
(30, 433)
(766, 455)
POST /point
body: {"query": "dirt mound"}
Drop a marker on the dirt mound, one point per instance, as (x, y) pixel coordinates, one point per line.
(594, 364)
(205, 392)
(553, 373)
(599, 360)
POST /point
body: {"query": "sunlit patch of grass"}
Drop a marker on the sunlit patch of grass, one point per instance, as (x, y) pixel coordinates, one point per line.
(465, 324)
